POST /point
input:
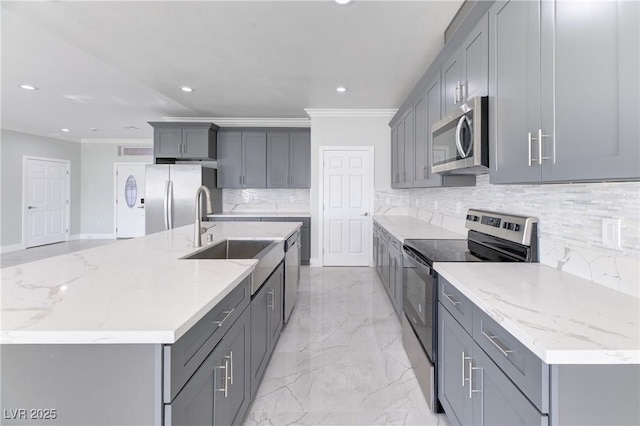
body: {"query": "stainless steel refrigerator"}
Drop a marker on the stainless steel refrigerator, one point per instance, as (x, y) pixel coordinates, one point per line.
(170, 194)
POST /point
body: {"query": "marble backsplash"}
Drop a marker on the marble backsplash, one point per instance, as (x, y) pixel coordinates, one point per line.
(266, 200)
(570, 218)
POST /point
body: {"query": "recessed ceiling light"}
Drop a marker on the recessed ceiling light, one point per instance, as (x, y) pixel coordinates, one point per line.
(130, 127)
(341, 89)
(28, 87)
(343, 2)
(65, 130)
(186, 89)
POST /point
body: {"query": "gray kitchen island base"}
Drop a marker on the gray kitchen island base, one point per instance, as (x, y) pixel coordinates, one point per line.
(80, 384)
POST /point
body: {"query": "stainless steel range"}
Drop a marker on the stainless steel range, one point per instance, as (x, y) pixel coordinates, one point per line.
(492, 237)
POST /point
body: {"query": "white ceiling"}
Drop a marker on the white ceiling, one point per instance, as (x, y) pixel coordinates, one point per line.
(113, 64)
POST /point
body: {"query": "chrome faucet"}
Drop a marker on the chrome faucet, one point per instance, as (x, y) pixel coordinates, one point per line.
(197, 226)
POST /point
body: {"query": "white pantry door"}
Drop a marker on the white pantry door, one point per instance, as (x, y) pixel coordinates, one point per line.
(130, 189)
(346, 218)
(46, 194)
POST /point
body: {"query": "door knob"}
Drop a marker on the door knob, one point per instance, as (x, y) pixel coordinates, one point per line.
(365, 214)
(141, 207)
(31, 207)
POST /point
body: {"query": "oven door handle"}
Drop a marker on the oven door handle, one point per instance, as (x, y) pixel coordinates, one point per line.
(418, 262)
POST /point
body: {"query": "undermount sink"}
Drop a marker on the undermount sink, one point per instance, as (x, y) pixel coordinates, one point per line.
(269, 254)
(232, 249)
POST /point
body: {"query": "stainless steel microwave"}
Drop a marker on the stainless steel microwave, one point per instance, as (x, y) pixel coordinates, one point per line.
(460, 140)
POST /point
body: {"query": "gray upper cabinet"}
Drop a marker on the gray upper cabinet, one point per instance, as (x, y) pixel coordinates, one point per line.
(563, 91)
(254, 155)
(451, 84)
(189, 141)
(300, 159)
(394, 154)
(278, 160)
(465, 73)
(402, 151)
(229, 160)
(264, 159)
(428, 111)
(288, 159)
(242, 160)
(514, 100)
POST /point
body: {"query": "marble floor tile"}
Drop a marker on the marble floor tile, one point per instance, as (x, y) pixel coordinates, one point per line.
(340, 359)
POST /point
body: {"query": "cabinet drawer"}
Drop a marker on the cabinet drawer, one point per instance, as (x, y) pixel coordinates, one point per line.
(456, 303)
(184, 357)
(522, 366)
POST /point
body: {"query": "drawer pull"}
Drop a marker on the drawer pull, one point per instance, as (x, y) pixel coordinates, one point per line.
(228, 314)
(450, 298)
(494, 340)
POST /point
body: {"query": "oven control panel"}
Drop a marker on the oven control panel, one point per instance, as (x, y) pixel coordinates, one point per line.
(510, 227)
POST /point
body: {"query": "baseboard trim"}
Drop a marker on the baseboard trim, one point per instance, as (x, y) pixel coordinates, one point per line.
(10, 248)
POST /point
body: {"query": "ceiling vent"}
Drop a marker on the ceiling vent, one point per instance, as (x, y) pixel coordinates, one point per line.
(135, 151)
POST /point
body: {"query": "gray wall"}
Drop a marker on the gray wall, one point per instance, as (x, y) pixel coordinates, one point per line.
(13, 145)
(98, 173)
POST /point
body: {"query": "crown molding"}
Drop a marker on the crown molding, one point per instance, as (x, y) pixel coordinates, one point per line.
(243, 122)
(313, 112)
(119, 141)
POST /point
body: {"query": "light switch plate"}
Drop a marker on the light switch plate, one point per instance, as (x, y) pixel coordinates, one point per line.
(611, 232)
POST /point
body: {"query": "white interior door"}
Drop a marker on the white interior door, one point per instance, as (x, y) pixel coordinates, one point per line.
(346, 198)
(46, 194)
(130, 188)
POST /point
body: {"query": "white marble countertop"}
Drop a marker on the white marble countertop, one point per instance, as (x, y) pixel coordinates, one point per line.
(561, 318)
(132, 291)
(408, 227)
(261, 214)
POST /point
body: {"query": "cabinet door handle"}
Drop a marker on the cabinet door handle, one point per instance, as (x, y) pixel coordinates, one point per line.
(270, 293)
(224, 367)
(494, 340)
(230, 358)
(463, 86)
(451, 299)
(529, 138)
(464, 358)
(540, 137)
(227, 315)
(471, 369)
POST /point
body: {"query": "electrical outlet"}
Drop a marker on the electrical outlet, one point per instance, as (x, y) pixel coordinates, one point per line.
(291, 200)
(458, 207)
(435, 204)
(611, 232)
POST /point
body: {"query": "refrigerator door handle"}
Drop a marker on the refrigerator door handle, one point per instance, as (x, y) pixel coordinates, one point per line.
(170, 203)
(166, 205)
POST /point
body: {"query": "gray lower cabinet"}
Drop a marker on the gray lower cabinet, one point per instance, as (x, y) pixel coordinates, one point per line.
(288, 159)
(184, 140)
(545, 127)
(471, 387)
(242, 159)
(387, 252)
(455, 347)
(218, 393)
(266, 323)
(395, 275)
